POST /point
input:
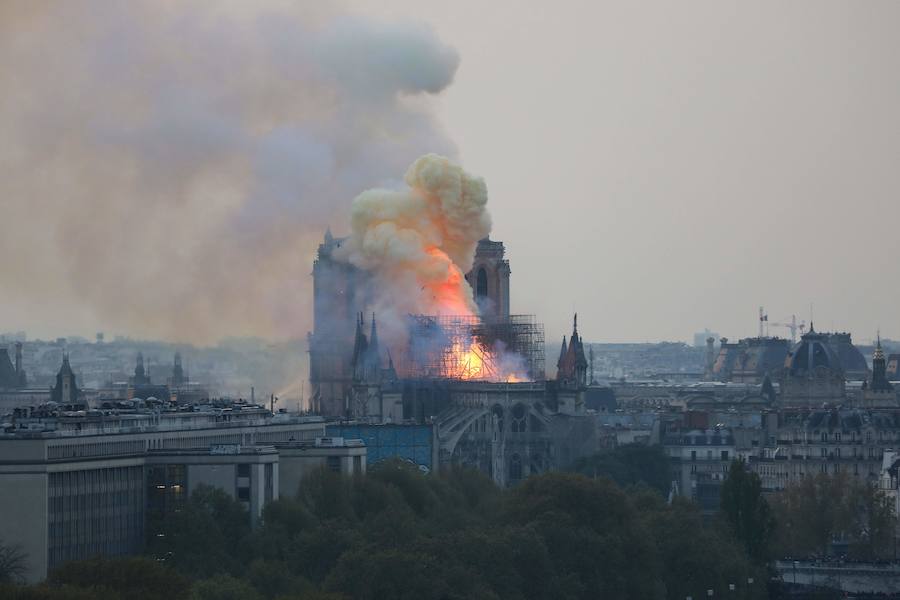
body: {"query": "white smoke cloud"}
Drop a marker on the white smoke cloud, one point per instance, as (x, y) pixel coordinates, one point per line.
(167, 167)
(419, 242)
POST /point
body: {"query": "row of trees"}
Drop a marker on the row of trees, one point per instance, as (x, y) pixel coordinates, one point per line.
(818, 510)
(399, 534)
(602, 531)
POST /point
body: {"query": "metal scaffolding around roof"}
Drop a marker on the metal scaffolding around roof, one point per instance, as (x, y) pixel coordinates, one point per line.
(468, 347)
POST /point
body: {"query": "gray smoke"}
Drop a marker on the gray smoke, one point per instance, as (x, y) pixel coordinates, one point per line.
(167, 168)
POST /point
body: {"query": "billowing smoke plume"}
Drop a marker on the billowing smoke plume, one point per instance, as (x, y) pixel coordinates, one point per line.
(166, 168)
(418, 243)
(414, 247)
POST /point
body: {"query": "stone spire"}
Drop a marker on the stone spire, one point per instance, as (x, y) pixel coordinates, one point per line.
(880, 382)
(360, 345)
(572, 361)
(373, 354)
(562, 354)
(140, 375)
(65, 391)
(178, 377)
(373, 337)
(66, 368)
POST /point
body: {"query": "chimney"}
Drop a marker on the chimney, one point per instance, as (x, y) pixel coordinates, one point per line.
(19, 359)
(710, 357)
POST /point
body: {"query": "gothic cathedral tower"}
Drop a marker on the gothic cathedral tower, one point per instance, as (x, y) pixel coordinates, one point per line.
(489, 279)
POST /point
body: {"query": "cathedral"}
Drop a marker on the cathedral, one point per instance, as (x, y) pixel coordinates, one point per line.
(342, 293)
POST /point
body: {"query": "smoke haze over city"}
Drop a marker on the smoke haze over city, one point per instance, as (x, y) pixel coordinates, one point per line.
(169, 168)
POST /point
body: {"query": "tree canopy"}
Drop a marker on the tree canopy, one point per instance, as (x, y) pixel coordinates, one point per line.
(817, 510)
(398, 534)
(746, 511)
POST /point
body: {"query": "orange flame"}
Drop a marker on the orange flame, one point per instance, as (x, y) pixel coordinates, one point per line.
(452, 295)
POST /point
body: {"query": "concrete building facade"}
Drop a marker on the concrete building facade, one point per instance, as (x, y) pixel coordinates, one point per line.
(74, 486)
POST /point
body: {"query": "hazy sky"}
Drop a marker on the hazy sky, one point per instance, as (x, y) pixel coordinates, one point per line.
(660, 167)
(668, 166)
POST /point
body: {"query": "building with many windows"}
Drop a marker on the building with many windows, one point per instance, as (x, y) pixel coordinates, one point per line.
(80, 484)
(782, 448)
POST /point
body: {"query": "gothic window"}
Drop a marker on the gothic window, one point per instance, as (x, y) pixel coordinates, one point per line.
(481, 283)
(515, 468)
(519, 422)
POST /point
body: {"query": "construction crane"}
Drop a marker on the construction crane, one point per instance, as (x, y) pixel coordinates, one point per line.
(793, 326)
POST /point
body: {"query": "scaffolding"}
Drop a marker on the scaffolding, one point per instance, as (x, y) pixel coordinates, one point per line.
(469, 347)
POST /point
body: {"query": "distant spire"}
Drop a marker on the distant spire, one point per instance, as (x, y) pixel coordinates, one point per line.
(391, 373)
(562, 353)
(575, 326)
(328, 237)
(879, 353)
(360, 345)
(139, 367)
(65, 369)
(373, 338)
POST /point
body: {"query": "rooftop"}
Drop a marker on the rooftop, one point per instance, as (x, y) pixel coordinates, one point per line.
(52, 420)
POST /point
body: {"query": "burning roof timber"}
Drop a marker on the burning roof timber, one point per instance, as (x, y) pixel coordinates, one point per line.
(467, 347)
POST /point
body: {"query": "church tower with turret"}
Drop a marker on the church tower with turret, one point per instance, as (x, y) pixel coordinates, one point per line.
(66, 391)
(878, 392)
